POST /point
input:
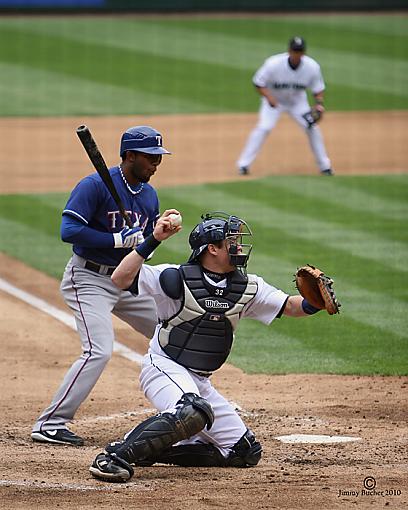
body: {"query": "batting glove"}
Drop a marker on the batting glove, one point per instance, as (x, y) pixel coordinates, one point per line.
(128, 238)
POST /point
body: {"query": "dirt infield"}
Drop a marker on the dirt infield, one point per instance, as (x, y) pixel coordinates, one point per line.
(44, 154)
(37, 350)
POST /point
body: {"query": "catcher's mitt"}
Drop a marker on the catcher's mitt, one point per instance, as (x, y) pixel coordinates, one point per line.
(317, 289)
(313, 116)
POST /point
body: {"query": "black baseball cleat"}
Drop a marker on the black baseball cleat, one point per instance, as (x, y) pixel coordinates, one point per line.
(110, 468)
(243, 170)
(328, 171)
(57, 436)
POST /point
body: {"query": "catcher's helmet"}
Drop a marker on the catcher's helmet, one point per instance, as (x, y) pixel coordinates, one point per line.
(217, 226)
(142, 139)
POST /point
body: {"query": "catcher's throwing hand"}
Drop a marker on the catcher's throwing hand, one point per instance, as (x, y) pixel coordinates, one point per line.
(165, 226)
(317, 289)
(314, 115)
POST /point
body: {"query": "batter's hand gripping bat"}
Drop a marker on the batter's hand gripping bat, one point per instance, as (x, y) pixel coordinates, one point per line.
(100, 166)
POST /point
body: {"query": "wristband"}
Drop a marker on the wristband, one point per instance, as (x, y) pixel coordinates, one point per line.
(308, 308)
(147, 247)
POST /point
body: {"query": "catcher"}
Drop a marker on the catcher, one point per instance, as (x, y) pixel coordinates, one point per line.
(199, 304)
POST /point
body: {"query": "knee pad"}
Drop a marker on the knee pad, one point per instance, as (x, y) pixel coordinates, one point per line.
(246, 452)
(192, 410)
(154, 435)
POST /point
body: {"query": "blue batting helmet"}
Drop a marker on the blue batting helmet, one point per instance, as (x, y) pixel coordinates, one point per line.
(142, 139)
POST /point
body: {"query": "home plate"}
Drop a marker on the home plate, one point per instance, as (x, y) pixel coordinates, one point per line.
(312, 438)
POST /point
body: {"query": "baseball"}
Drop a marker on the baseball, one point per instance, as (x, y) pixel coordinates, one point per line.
(175, 219)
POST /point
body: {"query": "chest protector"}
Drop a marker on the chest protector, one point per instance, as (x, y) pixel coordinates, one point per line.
(200, 335)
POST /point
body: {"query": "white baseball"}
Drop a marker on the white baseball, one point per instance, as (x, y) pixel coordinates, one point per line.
(175, 220)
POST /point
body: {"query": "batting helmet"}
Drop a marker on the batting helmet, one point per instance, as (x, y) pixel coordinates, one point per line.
(217, 226)
(142, 139)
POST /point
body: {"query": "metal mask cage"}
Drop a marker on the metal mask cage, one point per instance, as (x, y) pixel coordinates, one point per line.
(234, 232)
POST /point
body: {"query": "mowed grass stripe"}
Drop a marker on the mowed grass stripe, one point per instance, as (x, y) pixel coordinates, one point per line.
(370, 308)
(52, 91)
(393, 187)
(34, 246)
(296, 349)
(390, 25)
(353, 198)
(352, 67)
(379, 309)
(318, 31)
(320, 203)
(348, 343)
(343, 240)
(318, 344)
(120, 67)
(272, 236)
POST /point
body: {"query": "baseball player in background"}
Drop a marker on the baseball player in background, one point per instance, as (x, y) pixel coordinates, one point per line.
(100, 238)
(199, 304)
(282, 82)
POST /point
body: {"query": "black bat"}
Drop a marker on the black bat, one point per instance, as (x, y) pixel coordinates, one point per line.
(100, 166)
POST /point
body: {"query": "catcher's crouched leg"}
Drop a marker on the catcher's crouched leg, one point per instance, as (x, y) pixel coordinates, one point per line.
(245, 453)
(156, 434)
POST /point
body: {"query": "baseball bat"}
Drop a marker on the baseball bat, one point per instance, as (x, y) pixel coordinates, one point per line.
(98, 162)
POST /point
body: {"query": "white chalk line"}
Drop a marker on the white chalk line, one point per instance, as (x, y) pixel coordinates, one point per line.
(63, 317)
(72, 486)
(124, 351)
(316, 438)
(69, 321)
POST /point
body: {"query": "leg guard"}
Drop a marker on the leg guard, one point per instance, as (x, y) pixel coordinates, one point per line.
(189, 455)
(246, 452)
(156, 434)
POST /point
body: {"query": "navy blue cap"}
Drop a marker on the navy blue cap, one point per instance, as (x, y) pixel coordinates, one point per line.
(297, 44)
(142, 139)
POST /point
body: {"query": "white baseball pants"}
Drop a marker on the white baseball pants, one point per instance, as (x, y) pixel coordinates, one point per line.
(268, 117)
(164, 381)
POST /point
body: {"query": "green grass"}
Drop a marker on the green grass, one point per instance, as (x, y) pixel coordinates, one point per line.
(107, 65)
(353, 227)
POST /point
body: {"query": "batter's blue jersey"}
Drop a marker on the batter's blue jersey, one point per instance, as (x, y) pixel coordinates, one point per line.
(91, 203)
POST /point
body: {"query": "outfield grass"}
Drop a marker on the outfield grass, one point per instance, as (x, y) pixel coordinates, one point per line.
(353, 227)
(107, 65)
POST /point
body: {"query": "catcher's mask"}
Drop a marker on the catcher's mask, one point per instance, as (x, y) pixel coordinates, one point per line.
(217, 226)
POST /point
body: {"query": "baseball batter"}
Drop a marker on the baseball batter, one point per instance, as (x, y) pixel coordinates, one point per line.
(199, 305)
(101, 239)
(282, 82)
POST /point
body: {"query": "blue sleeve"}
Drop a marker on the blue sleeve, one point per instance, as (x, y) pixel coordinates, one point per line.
(75, 232)
(84, 198)
(153, 219)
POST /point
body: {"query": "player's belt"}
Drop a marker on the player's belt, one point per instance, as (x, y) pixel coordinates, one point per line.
(98, 268)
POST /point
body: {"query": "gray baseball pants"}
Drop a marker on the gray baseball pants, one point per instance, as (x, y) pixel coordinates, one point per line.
(93, 297)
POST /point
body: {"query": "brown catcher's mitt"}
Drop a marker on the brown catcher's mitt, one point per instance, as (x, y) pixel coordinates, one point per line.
(317, 288)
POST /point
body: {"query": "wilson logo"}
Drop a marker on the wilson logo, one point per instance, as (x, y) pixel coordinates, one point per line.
(214, 303)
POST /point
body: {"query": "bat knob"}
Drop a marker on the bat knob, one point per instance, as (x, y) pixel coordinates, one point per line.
(82, 128)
